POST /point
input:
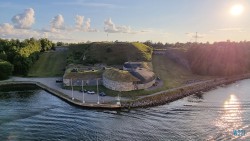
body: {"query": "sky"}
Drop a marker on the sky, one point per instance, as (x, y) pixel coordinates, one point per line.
(166, 21)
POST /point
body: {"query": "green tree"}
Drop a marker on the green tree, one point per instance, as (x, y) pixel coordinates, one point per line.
(46, 44)
(6, 69)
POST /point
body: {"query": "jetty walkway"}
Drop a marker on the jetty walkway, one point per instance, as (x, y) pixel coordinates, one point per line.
(79, 99)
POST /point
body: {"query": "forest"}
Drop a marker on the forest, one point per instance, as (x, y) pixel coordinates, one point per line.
(16, 57)
(222, 58)
(218, 59)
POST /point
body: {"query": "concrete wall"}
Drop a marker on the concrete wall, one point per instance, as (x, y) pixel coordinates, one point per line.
(146, 85)
(118, 86)
(127, 69)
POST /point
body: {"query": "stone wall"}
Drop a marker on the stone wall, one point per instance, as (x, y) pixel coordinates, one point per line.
(118, 86)
(78, 82)
(146, 85)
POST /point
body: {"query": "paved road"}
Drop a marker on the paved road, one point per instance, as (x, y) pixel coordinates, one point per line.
(51, 82)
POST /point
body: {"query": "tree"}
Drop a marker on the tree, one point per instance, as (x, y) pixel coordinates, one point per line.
(6, 69)
(46, 44)
(3, 55)
(59, 44)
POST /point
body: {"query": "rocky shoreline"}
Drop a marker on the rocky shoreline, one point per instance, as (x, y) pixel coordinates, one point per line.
(178, 93)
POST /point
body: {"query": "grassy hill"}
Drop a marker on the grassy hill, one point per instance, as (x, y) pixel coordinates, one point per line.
(171, 69)
(49, 64)
(109, 53)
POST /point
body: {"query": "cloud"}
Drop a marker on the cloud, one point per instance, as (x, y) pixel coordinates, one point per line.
(87, 24)
(81, 26)
(57, 22)
(6, 28)
(88, 28)
(24, 20)
(79, 21)
(110, 27)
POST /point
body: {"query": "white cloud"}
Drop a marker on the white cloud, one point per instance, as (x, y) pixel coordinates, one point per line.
(6, 28)
(87, 25)
(79, 21)
(24, 20)
(57, 23)
(110, 27)
(80, 25)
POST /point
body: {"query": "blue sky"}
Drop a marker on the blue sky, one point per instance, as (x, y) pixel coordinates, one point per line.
(125, 20)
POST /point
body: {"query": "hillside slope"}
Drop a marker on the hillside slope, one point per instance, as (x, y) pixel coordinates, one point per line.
(110, 53)
(49, 64)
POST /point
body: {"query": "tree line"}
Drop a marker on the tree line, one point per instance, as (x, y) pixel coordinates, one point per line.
(219, 58)
(17, 56)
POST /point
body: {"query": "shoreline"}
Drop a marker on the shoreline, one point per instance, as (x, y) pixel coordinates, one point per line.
(154, 99)
(174, 94)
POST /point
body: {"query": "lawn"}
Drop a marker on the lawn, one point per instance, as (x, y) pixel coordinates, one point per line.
(49, 64)
(171, 73)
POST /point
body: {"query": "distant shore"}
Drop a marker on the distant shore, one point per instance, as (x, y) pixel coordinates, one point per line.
(167, 96)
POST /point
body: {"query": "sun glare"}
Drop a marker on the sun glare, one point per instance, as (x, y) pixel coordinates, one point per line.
(237, 10)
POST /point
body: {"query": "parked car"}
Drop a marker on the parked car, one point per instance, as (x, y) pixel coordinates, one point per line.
(59, 81)
(85, 91)
(102, 94)
(91, 92)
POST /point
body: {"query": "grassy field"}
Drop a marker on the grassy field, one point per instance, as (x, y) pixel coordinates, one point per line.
(109, 53)
(49, 64)
(171, 73)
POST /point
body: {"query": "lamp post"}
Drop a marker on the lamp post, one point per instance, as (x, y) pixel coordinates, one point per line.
(72, 91)
(98, 102)
(83, 100)
(118, 99)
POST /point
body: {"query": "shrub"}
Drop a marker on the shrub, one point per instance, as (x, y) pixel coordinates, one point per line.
(6, 69)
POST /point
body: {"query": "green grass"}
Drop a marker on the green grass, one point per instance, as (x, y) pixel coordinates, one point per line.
(146, 51)
(49, 64)
(109, 53)
(171, 73)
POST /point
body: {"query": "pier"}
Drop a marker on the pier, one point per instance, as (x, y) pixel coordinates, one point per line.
(109, 104)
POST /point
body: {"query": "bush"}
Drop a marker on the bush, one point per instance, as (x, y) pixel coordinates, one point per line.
(6, 69)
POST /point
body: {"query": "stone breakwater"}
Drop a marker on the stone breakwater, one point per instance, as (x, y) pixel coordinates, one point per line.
(167, 96)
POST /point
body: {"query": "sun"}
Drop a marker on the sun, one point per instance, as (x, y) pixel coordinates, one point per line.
(236, 9)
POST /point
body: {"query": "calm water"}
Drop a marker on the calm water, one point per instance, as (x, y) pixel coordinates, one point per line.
(37, 115)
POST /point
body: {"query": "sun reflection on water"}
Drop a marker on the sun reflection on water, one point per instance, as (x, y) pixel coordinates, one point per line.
(231, 115)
